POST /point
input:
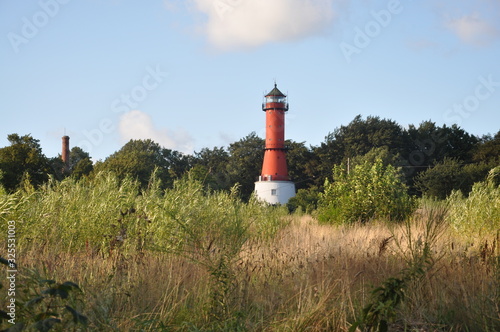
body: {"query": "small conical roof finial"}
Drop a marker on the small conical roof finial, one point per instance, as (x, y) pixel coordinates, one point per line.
(275, 91)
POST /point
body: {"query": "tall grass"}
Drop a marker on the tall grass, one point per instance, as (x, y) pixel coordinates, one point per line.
(187, 259)
(479, 213)
(106, 213)
(308, 277)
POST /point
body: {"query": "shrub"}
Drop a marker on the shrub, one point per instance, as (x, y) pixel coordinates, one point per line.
(479, 213)
(368, 191)
(448, 175)
(306, 200)
(40, 304)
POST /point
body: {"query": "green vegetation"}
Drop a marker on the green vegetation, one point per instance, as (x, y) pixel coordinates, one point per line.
(42, 304)
(419, 257)
(23, 159)
(451, 174)
(103, 213)
(368, 191)
(425, 154)
(479, 213)
(140, 158)
(192, 259)
(391, 229)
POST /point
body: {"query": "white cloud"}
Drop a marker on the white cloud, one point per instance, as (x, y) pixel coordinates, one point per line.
(472, 29)
(139, 125)
(235, 24)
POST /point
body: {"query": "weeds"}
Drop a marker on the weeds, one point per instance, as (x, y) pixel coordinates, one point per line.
(479, 213)
(419, 258)
(188, 259)
(42, 304)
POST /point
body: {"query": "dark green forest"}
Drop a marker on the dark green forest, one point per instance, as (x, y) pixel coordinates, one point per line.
(433, 160)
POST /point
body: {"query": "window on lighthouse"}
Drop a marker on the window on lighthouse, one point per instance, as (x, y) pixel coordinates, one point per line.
(275, 99)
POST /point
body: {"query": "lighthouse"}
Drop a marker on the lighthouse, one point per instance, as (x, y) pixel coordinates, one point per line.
(274, 185)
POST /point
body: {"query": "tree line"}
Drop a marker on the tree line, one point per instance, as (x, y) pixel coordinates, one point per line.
(433, 160)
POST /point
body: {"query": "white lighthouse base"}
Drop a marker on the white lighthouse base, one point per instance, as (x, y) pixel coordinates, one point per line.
(275, 192)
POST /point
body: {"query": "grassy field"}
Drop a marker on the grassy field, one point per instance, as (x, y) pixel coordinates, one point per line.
(187, 260)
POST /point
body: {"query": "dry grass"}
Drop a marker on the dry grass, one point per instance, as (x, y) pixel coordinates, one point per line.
(309, 277)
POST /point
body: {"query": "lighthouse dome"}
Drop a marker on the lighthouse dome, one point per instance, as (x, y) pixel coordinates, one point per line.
(275, 96)
(275, 92)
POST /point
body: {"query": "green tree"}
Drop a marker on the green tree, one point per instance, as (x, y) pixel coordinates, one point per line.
(82, 168)
(360, 136)
(357, 139)
(305, 199)
(57, 166)
(488, 149)
(202, 174)
(140, 158)
(380, 153)
(80, 164)
(440, 180)
(76, 155)
(214, 162)
(448, 175)
(368, 191)
(301, 164)
(245, 162)
(23, 157)
(430, 144)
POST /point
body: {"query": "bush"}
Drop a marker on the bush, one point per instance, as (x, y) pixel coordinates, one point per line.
(39, 304)
(479, 213)
(306, 200)
(448, 175)
(369, 191)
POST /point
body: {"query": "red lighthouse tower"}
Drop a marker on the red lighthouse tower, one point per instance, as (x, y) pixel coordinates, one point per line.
(274, 185)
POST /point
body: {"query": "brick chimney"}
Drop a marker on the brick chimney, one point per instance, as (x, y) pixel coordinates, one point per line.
(65, 154)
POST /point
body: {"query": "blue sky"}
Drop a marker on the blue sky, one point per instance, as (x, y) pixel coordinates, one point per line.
(191, 74)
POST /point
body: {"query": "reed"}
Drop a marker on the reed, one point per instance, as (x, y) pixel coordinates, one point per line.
(191, 260)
